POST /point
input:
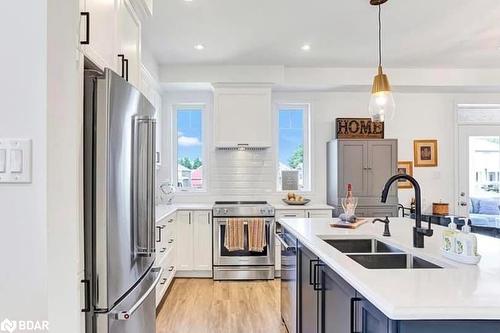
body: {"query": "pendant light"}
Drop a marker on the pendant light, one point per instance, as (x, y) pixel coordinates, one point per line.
(382, 106)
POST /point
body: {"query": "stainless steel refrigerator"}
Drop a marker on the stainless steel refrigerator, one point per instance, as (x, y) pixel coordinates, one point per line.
(119, 178)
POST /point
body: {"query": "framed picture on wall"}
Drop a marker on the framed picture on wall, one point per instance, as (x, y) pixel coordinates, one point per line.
(425, 153)
(405, 168)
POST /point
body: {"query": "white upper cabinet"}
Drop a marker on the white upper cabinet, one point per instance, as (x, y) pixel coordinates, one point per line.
(129, 43)
(243, 116)
(98, 31)
(110, 36)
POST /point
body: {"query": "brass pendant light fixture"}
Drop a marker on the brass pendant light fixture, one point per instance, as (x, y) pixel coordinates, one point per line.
(382, 106)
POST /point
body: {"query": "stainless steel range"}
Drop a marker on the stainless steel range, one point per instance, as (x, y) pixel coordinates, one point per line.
(243, 264)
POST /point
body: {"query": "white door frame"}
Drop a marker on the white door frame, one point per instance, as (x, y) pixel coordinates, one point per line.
(471, 116)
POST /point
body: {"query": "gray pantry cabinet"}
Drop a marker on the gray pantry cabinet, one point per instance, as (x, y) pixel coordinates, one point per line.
(328, 304)
(367, 165)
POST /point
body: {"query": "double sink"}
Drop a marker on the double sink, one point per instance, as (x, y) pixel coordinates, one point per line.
(374, 254)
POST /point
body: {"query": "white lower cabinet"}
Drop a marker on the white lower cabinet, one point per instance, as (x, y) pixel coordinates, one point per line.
(318, 214)
(185, 231)
(168, 274)
(304, 213)
(202, 241)
(291, 213)
(165, 253)
(194, 253)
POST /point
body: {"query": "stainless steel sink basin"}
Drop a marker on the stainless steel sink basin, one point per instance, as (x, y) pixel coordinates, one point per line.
(392, 261)
(362, 246)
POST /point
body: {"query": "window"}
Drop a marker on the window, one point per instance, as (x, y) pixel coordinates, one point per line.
(293, 147)
(190, 163)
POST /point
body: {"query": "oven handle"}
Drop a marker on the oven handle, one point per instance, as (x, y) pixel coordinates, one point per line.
(223, 222)
(284, 243)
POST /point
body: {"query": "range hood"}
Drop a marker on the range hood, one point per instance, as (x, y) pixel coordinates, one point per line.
(242, 116)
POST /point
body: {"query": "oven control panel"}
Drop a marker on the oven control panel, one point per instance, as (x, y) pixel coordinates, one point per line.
(244, 211)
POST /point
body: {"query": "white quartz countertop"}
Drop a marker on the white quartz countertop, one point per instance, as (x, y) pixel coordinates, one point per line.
(163, 210)
(309, 206)
(458, 291)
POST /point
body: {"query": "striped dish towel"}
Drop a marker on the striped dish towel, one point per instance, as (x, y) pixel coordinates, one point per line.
(234, 239)
(256, 235)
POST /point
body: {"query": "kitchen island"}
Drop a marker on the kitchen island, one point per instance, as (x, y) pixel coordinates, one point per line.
(439, 296)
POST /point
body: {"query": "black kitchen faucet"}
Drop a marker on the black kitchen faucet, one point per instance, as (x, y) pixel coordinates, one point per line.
(418, 231)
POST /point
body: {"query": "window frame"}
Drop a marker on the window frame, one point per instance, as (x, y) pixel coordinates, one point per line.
(306, 107)
(204, 149)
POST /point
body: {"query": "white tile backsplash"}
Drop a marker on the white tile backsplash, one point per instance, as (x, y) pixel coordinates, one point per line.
(234, 172)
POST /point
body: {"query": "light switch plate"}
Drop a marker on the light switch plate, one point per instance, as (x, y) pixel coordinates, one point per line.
(16, 164)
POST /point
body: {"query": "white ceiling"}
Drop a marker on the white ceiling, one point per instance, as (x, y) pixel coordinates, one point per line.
(342, 33)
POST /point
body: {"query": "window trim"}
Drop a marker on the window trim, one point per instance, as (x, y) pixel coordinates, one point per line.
(204, 150)
(308, 186)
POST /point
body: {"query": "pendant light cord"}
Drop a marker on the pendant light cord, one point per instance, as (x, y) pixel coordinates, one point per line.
(379, 36)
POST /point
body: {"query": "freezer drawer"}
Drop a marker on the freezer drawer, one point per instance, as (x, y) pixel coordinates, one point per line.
(136, 312)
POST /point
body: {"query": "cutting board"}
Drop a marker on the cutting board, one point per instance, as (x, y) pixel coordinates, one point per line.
(340, 224)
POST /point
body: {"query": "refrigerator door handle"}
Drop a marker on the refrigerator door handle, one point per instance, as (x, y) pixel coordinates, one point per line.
(151, 182)
(143, 180)
(127, 314)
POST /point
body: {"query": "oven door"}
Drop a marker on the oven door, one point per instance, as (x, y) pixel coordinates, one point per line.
(224, 257)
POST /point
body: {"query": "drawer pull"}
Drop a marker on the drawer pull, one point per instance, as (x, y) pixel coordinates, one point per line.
(163, 249)
(171, 268)
(170, 241)
(170, 221)
(163, 281)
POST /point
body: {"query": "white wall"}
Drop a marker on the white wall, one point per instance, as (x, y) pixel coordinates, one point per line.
(64, 166)
(40, 89)
(150, 63)
(23, 88)
(419, 116)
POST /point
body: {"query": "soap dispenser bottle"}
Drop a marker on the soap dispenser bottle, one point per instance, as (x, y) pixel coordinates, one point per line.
(449, 236)
(466, 242)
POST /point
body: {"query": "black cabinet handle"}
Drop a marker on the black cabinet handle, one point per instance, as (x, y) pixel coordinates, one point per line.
(126, 68)
(122, 57)
(311, 271)
(317, 285)
(86, 285)
(86, 41)
(353, 314)
(160, 231)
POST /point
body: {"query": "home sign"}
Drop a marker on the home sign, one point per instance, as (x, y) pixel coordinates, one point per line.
(359, 128)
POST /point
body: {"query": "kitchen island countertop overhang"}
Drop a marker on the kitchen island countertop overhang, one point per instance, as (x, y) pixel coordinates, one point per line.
(456, 292)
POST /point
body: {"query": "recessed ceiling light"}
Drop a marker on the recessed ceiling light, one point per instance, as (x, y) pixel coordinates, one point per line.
(199, 47)
(306, 47)
(188, 0)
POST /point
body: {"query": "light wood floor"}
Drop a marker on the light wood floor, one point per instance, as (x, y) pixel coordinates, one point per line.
(207, 306)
